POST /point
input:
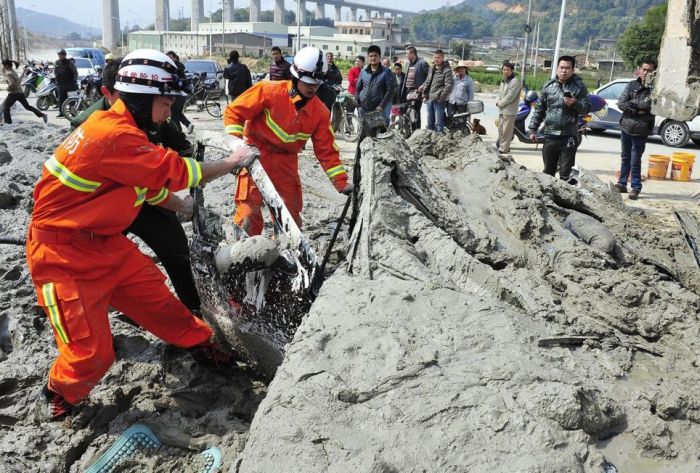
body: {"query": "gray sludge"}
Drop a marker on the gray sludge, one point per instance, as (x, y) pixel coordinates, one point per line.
(421, 352)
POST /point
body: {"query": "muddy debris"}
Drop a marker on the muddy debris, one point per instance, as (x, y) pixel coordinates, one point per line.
(463, 327)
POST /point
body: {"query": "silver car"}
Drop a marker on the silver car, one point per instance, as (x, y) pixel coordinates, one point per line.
(673, 133)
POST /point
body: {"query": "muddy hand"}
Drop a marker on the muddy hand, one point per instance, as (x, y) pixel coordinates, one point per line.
(187, 208)
(347, 190)
(243, 156)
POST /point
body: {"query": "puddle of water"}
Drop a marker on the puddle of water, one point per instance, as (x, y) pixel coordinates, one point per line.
(622, 452)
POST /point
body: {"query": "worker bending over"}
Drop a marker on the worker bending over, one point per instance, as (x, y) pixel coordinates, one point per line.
(91, 189)
(278, 118)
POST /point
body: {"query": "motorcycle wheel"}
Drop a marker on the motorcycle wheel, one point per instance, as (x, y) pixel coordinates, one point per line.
(27, 91)
(43, 103)
(403, 126)
(350, 127)
(72, 107)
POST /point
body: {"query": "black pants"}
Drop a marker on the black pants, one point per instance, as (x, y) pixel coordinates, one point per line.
(177, 111)
(161, 231)
(10, 101)
(559, 151)
(62, 96)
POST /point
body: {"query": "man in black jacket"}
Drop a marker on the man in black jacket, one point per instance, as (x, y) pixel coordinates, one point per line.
(178, 109)
(637, 123)
(238, 75)
(333, 76)
(66, 78)
(561, 101)
(416, 74)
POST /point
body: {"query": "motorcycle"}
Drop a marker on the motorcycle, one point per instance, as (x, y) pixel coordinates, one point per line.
(530, 99)
(404, 116)
(88, 94)
(47, 96)
(462, 121)
(342, 119)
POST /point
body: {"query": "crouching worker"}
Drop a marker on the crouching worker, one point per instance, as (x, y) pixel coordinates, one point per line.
(278, 118)
(90, 190)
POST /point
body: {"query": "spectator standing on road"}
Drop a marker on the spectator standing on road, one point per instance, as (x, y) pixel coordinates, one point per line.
(636, 125)
(507, 103)
(375, 86)
(353, 76)
(238, 75)
(333, 76)
(562, 100)
(279, 68)
(436, 91)
(416, 74)
(15, 93)
(462, 89)
(399, 79)
(66, 75)
(386, 62)
(178, 109)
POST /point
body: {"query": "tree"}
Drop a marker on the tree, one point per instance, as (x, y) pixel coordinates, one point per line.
(642, 40)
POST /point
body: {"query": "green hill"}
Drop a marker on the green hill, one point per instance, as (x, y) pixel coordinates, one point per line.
(596, 19)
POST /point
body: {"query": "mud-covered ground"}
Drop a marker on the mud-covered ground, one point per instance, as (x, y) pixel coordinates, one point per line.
(469, 330)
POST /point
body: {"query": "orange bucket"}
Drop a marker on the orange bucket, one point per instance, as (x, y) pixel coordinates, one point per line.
(658, 166)
(682, 166)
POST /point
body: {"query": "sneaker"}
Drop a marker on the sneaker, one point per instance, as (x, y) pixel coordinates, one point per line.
(58, 408)
(620, 188)
(211, 355)
(190, 128)
(45, 117)
(634, 194)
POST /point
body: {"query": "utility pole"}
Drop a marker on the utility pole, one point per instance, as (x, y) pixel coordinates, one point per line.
(612, 66)
(588, 50)
(223, 45)
(298, 26)
(537, 49)
(558, 44)
(211, 46)
(527, 29)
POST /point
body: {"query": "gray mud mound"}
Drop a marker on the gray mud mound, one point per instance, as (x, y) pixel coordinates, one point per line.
(470, 330)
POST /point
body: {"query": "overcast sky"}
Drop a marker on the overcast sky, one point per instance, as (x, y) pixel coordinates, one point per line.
(142, 12)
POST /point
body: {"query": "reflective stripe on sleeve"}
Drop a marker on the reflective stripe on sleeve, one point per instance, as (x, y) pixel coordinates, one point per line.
(280, 133)
(234, 129)
(49, 293)
(67, 178)
(160, 197)
(140, 195)
(335, 171)
(194, 172)
(335, 146)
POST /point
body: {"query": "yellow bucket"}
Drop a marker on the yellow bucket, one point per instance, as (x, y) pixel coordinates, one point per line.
(658, 166)
(682, 166)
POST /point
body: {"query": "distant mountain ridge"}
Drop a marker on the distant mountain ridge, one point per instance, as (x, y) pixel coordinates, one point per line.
(52, 25)
(585, 19)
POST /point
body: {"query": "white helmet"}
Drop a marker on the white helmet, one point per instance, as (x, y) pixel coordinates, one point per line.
(147, 71)
(310, 65)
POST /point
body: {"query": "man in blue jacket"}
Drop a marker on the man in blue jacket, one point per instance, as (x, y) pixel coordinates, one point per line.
(375, 87)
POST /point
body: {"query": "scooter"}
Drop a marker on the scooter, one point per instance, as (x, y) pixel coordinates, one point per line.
(32, 77)
(530, 99)
(48, 95)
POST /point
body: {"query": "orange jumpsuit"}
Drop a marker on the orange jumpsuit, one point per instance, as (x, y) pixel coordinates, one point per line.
(90, 190)
(265, 114)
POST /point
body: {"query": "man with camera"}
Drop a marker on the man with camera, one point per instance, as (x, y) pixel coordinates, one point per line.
(561, 102)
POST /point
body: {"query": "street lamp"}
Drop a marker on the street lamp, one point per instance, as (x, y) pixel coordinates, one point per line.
(210, 29)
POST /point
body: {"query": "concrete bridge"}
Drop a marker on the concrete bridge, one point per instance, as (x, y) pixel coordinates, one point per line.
(111, 27)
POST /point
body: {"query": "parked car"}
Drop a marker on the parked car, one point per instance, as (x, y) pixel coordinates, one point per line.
(85, 67)
(210, 72)
(673, 133)
(96, 55)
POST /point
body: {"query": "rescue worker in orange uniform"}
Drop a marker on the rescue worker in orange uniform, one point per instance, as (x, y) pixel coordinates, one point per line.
(90, 190)
(278, 117)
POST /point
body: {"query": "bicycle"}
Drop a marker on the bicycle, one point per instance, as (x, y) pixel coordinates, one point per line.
(205, 99)
(342, 120)
(404, 116)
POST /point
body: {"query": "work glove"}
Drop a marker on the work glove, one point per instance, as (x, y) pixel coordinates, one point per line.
(347, 190)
